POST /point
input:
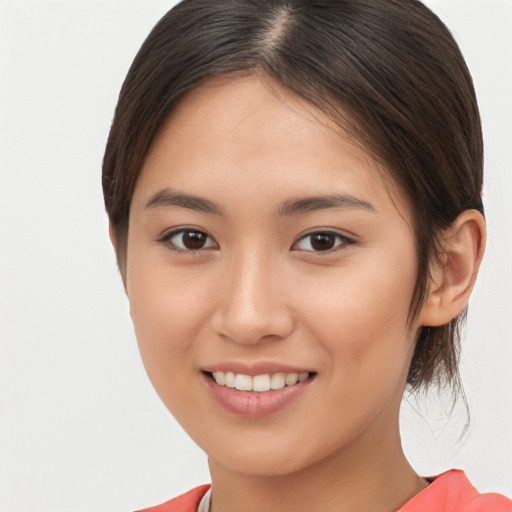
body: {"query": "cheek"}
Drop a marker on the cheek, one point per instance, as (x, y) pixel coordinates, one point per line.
(361, 326)
(168, 307)
(360, 317)
(168, 312)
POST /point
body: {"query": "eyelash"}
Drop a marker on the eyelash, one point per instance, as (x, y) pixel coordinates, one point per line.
(167, 239)
(341, 241)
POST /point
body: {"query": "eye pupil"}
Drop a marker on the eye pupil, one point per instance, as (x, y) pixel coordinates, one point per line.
(194, 239)
(323, 241)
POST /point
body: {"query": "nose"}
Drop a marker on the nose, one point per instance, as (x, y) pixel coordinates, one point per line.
(252, 303)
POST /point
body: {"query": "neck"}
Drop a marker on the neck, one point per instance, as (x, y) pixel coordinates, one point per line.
(368, 476)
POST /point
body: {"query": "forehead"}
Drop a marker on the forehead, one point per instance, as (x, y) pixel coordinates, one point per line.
(247, 134)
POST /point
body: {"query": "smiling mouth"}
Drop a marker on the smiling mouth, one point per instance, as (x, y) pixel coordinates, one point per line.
(258, 383)
(255, 396)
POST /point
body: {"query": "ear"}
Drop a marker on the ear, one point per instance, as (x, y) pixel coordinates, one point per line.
(453, 277)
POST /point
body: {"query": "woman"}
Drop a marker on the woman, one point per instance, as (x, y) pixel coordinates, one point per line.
(294, 195)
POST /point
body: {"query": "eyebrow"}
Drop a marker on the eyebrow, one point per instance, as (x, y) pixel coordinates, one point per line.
(168, 197)
(324, 202)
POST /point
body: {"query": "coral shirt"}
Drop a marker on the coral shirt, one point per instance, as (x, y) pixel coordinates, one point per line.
(448, 492)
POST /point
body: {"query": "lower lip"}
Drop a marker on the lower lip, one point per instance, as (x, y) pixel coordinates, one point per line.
(254, 404)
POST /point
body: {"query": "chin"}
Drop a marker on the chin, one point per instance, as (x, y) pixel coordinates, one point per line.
(259, 464)
(271, 455)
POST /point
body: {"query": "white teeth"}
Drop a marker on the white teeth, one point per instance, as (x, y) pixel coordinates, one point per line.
(303, 376)
(229, 379)
(291, 379)
(261, 383)
(258, 383)
(243, 382)
(220, 378)
(278, 381)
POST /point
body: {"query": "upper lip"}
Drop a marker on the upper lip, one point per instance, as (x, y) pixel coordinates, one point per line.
(254, 368)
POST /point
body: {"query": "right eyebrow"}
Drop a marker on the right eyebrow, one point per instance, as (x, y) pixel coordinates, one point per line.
(324, 202)
(168, 197)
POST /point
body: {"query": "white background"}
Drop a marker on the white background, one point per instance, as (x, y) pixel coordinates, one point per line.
(81, 428)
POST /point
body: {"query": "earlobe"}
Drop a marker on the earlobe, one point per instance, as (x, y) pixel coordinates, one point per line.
(453, 277)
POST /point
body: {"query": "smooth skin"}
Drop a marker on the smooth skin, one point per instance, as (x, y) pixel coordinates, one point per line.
(225, 263)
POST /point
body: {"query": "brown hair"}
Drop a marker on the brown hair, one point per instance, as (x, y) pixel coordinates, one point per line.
(387, 71)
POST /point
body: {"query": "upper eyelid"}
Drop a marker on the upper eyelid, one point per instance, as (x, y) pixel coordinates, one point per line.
(181, 229)
(166, 236)
(346, 241)
(330, 231)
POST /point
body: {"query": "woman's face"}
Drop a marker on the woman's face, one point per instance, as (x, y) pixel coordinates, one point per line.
(266, 251)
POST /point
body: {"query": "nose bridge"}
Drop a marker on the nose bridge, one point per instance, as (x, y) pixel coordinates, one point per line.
(253, 305)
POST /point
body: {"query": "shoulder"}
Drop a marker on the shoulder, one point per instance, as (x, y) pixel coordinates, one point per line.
(490, 502)
(453, 492)
(187, 502)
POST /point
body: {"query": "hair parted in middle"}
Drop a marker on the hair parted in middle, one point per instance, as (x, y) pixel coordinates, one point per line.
(387, 72)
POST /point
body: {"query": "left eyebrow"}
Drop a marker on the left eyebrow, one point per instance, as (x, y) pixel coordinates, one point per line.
(168, 197)
(324, 202)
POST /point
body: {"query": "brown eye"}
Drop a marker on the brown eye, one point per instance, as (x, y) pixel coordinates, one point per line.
(322, 241)
(194, 240)
(189, 240)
